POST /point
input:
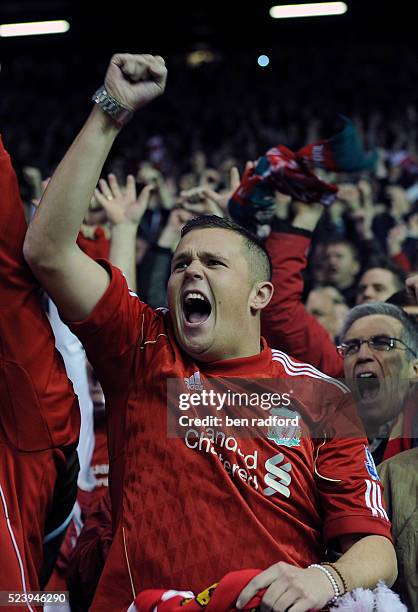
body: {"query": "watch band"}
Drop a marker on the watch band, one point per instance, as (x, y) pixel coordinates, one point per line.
(119, 113)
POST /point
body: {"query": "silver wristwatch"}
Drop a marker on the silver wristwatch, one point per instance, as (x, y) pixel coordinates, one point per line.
(119, 113)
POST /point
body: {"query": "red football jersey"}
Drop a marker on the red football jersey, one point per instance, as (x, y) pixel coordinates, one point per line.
(39, 414)
(188, 510)
(100, 459)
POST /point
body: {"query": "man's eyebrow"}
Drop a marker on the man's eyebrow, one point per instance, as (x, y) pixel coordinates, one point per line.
(181, 255)
(201, 254)
(381, 335)
(213, 255)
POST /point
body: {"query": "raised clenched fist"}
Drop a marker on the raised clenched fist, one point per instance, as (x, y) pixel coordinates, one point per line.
(135, 80)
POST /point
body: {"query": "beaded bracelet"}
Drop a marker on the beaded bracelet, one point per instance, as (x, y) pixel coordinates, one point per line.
(330, 578)
(340, 576)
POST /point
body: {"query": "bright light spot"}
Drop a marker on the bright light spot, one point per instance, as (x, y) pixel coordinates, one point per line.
(317, 9)
(263, 61)
(34, 27)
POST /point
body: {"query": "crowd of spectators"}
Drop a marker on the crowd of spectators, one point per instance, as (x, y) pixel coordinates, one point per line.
(191, 149)
(196, 133)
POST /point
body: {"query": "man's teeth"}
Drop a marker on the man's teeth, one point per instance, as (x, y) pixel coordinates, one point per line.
(195, 296)
(366, 375)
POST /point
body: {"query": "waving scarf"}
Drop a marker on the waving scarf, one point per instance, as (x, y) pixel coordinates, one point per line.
(280, 169)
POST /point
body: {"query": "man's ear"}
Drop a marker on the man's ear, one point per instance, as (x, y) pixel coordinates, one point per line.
(413, 369)
(261, 296)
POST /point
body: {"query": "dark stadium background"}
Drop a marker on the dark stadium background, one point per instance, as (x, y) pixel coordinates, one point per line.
(362, 61)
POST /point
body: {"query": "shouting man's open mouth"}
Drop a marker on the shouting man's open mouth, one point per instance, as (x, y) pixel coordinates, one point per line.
(368, 386)
(196, 308)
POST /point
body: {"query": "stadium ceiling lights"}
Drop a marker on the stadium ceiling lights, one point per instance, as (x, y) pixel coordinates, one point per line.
(317, 9)
(34, 28)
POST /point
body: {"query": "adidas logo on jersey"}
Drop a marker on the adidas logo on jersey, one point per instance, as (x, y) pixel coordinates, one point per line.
(194, 383)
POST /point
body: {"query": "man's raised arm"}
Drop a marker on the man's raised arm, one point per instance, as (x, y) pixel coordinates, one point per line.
(73, 280)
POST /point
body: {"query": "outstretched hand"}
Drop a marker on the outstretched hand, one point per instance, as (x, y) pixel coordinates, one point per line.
(170, 235)
(135, 80)
(122, 205)
(205, 201)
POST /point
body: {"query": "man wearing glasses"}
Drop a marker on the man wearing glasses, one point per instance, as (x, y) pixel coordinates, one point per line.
(379, 349)
(380, 356)
(287, 324)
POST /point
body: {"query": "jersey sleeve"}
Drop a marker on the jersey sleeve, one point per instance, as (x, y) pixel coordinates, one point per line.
(350, 490)
(114, 331)
(285, 321)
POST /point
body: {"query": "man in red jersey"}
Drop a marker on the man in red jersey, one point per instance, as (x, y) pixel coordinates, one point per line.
(188, 510)
(39, 417)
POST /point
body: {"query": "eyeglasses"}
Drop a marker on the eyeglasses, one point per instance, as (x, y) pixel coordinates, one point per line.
(376, 343)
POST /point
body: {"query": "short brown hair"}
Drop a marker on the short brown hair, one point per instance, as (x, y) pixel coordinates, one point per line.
(258, 257)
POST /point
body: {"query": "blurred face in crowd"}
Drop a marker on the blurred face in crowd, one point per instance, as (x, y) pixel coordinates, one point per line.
(341, 266)
(377, 285)
(95, 215)
(213, 297)
(328, 306)
(399, 204)
(340, 307)
(381, 377)
(317, 266)
(187, 181)
(198, 161)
